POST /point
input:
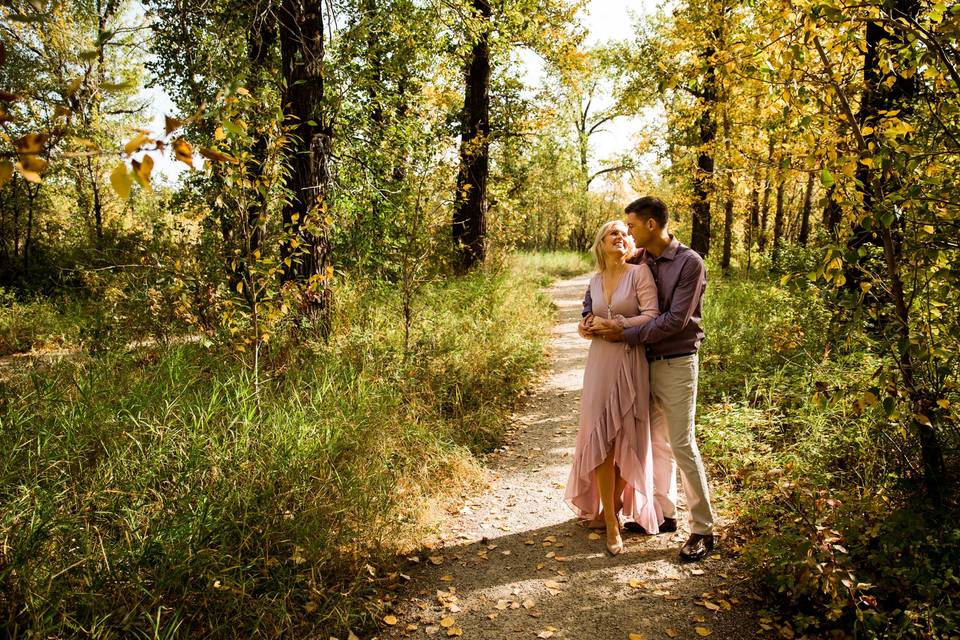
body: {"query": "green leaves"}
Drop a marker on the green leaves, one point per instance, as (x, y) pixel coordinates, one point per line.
(826, 178)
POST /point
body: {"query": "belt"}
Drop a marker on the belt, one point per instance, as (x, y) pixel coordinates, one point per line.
(672, 356)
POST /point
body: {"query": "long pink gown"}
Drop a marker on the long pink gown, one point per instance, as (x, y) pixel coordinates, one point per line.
(615, 407)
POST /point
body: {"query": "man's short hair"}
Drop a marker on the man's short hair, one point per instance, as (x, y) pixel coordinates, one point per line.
(649, 207)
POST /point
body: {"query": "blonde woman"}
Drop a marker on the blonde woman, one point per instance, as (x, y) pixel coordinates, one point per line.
(612, 465)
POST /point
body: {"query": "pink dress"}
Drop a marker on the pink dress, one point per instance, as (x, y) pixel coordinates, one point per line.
(615, 407)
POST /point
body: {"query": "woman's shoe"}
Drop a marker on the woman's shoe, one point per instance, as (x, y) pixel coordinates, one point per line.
(616, 548)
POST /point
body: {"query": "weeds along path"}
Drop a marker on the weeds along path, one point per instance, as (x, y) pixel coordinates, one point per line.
(513, 562)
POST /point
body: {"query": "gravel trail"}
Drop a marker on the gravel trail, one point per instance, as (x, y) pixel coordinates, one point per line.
(514, 563)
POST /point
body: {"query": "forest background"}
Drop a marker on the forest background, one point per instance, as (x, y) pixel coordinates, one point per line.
(227, 397)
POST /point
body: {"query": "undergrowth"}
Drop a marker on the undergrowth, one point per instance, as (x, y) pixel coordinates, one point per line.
(152, 492)
(822, 487)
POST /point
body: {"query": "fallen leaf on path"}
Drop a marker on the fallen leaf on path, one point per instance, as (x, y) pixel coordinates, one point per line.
(492, 616)
(636, 636)
(446, 578)
(431, 630)
(436, 559)
(390, 620)
(411, 627)
(702, 631)
(447, 622)
(697, 572)
(594, 536)
(454, 631)
(673, 633)
(529, 604)
(661, 592)
(551, 554)
(352, 636)
(502, 604)
(635, 584)
(709, 605)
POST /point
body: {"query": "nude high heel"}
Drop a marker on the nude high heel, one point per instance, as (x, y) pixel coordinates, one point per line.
(616, 548)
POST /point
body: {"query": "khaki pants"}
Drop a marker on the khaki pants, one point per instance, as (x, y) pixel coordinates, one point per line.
(673, 390)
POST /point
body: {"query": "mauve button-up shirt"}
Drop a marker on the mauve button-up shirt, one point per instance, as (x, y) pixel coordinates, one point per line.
(681, 279)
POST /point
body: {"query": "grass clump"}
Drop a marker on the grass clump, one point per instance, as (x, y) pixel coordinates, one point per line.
(545, 266)
(153, 493)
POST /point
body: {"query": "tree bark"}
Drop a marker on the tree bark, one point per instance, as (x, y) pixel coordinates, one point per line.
(778, 220)
(765, 207)
(728, 195)
(804, 236)
(703, 174)
(309, 175)
(470, 203)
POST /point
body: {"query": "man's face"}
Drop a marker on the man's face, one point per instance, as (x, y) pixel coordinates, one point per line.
(641, 229)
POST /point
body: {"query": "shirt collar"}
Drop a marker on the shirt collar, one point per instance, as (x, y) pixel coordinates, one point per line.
(671, 251)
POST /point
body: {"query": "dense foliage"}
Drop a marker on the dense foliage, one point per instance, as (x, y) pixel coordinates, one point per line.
(328, 212)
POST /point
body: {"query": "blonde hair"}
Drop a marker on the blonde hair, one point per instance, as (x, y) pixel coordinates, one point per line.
(597, 247)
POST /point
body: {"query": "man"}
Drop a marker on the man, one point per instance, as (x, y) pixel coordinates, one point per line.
(672, 342)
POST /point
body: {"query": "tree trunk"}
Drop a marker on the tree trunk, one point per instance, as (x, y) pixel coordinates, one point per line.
(805, 212)
(728, 195)
(470, 204)
(703, 175)
(778, 220)
(886, 91)
(765, 207)
(831, 214)
(308, 180)
(754, 222)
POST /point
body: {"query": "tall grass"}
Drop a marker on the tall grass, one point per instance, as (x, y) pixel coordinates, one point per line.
(149, 493)
(545, 266)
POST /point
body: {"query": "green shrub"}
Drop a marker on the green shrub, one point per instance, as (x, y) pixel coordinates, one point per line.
(820, 482)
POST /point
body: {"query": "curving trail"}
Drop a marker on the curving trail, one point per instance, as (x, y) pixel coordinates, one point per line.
(514, 563)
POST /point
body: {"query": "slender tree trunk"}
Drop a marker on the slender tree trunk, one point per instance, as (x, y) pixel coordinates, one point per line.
(470, 204)
(778, 220)
(765, 206)
(28, 238)
(805, 212)
(885, 91)
(831, 217)
(754, 222)
(728, 196)
(309, 178)
(703, 174)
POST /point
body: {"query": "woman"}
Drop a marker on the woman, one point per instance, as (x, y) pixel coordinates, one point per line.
(612, 464)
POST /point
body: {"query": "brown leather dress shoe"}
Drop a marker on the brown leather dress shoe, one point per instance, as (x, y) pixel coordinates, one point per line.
(696, 547)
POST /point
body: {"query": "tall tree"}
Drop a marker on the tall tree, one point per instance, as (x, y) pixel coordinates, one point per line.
(470, 201)
(306, 212)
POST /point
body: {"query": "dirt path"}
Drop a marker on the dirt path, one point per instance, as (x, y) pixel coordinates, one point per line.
(514, 563)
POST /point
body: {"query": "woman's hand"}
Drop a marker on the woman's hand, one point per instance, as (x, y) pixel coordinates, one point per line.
(585, 328)
(609, 330)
